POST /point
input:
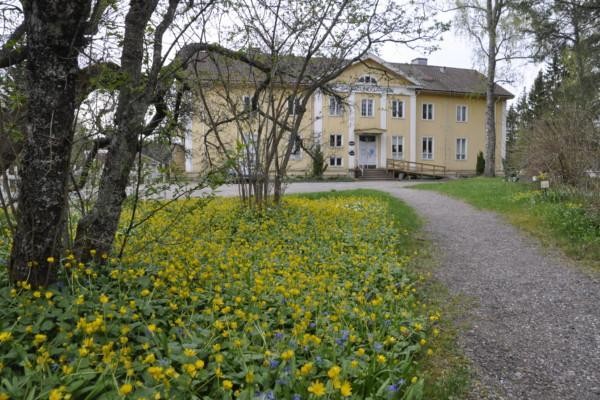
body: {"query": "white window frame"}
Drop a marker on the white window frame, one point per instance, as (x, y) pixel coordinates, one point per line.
(338, 162)
(462, 113)
(338, 140)
(367, 108)
(293, 105)
(247, 103)
(397, 109)
(425, 114)
(424, 154)
(335, 105)
(461, 156)
(398, 140)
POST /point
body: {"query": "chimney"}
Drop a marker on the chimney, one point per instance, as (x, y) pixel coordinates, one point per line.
(419, 61)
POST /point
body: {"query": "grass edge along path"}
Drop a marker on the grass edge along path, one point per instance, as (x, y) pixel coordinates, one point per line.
(553, 218)
(446, 371)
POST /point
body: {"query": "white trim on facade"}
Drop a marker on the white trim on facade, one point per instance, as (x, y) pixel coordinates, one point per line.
(318, 122)
(503, 129)
(383, 109)
(188, 146)
(413, 127)
(351, 139)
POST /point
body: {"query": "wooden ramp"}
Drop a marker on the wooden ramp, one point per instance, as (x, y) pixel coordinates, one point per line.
(411, 168)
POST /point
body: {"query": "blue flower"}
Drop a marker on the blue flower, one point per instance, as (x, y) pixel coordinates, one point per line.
(274, 363)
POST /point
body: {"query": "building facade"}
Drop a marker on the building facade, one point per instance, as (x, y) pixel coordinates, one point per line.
(386, 111)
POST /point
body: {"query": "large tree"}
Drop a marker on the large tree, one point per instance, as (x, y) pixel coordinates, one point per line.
(494, 25)
(63, 62)
(292, 51)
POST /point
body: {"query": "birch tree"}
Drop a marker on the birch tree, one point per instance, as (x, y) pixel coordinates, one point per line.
(495, 27)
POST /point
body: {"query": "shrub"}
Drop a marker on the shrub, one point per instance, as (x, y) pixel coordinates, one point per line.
(480, 166)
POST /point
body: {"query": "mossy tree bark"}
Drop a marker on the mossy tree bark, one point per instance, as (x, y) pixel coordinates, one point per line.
(55, 32)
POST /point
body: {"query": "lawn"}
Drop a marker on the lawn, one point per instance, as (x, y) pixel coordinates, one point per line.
(315, 299)
(559, 217)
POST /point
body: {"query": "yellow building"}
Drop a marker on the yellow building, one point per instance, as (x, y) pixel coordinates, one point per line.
(415, 112)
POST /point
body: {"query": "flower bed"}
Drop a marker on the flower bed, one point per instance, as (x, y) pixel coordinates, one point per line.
(309, 300)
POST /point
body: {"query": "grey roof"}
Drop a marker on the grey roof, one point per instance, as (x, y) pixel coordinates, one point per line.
(446, 79)
(426, 77)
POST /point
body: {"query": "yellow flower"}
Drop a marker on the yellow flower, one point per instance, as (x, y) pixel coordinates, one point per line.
(346, 389)
(414, 379)
(227, 384)
(5, 337)
(50, 260)
(360, 352)
(288, 354)
(126, 389)
(103, 298)
(152, 328)
(37, 294)
(189, 352)
(199, 364)
(145, 292)
(306, 368)
(49, 295)
(334, 372)
(381, 359)
(422, 342)
(40, 338)
(250, 377)
(4, 396)
(317, 388)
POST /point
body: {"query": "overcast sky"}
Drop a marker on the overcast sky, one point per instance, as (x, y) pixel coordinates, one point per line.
(457, 51)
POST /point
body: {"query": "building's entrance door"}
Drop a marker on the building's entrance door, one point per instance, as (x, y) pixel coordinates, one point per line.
(367, 157)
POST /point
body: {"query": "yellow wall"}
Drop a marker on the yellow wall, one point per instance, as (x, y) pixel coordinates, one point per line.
(443, 128)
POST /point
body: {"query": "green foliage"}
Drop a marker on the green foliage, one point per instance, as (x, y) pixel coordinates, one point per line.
(480, 166)
(314, 296)
(318, 163)
(561, 216)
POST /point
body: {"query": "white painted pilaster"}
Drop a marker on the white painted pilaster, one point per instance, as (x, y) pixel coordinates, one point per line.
(351, 138)
(188, 145)
(383, 113)
(383, 150)
(413, 127)
(318, 117)
(503, 122)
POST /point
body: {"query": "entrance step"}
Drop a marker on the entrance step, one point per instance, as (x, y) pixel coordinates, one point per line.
(379, 174)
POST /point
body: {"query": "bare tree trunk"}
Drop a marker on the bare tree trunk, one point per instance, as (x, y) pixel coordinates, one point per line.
(490, 112)
(55, 31)
(96, 231)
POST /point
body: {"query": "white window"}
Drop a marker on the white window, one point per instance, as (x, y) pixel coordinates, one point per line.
(427, 148)
(397, 147)
(461, 113)
(367, 79)
(247, 102)
(427, 111)
(461, 149)
(335, 161)
(366, 108)
(293, 105)
(335, 140)
(397, 109)
(335, 106)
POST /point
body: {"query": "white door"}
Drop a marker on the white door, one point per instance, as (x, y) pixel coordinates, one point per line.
(367, 151)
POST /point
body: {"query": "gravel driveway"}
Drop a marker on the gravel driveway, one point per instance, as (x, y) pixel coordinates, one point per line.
(536, 332)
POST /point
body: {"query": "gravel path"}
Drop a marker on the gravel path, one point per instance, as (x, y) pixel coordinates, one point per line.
(536, 332)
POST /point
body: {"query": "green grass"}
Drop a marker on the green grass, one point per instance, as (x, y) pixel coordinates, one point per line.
(560, 217)
(447, 372)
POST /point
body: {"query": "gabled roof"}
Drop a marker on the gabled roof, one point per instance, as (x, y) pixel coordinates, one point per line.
(447, 80)
(428, 78)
